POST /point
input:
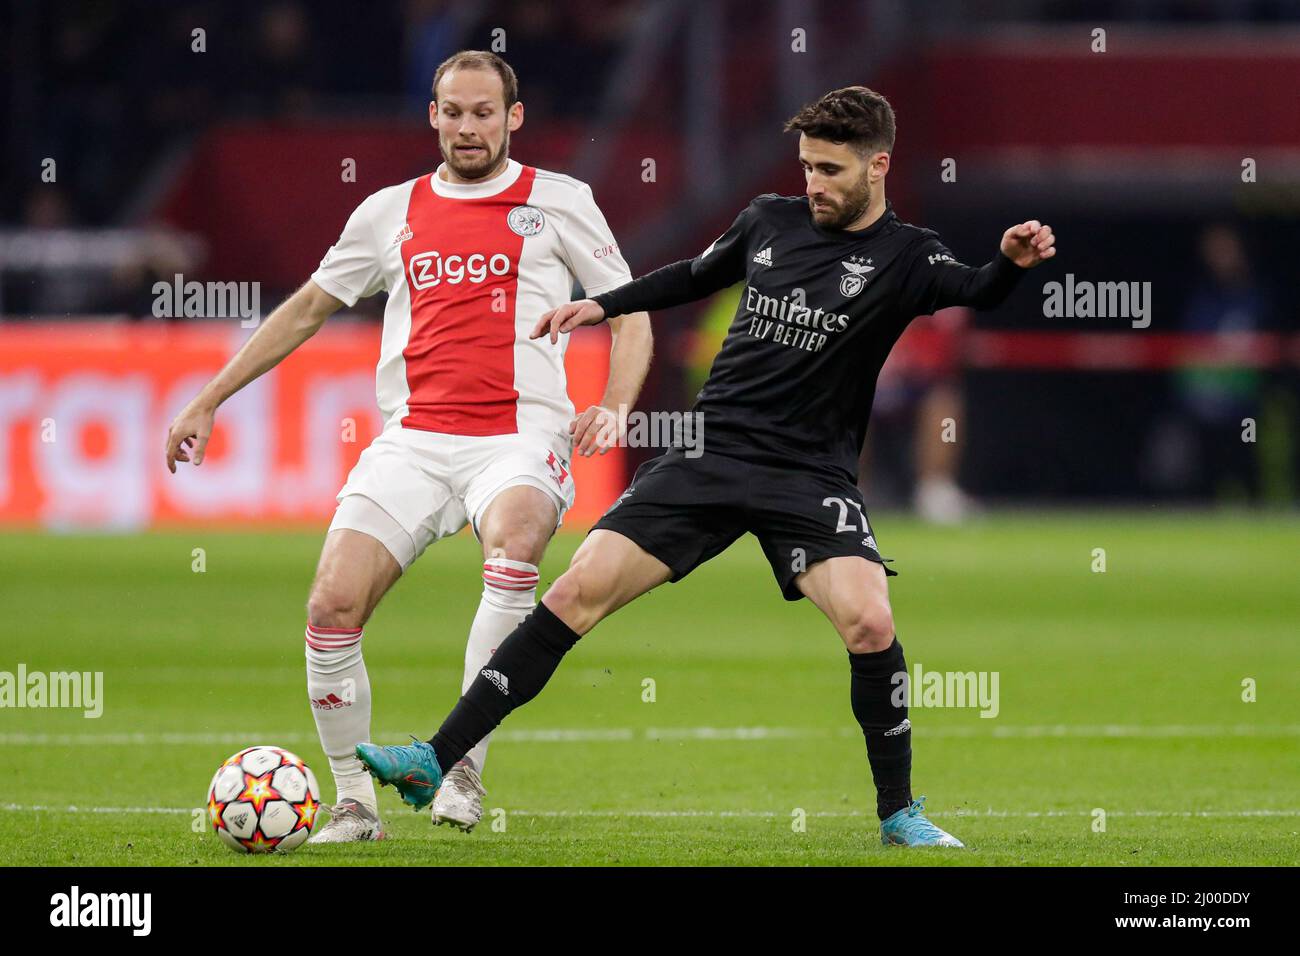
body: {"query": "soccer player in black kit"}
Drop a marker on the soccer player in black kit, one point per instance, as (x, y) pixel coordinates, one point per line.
(831, 281)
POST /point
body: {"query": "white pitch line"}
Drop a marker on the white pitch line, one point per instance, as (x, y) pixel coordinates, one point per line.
(968, 814)
(241, 738)
(726, 814)
(39, 808)
(598, 735)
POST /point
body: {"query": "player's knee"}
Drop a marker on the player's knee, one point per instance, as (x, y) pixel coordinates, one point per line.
(518, 525)
(578, 597)
(332, 606)
(566, 598)
(869, 629)
(523, 544)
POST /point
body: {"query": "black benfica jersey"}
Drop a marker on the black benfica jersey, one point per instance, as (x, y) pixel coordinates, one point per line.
(794, 381)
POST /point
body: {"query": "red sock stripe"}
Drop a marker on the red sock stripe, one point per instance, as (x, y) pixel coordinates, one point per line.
(507, 584)
(532, 579)
(332, 638)
(508, 572)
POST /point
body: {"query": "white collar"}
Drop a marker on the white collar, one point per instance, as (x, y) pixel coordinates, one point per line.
(488, 187)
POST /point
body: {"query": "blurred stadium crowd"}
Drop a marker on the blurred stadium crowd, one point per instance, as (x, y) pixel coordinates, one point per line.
(117, 84)
(171, 160)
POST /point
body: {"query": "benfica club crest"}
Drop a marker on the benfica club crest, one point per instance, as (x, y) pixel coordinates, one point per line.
(852, 282)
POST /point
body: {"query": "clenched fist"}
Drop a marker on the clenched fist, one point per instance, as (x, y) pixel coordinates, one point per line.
(1028, 244)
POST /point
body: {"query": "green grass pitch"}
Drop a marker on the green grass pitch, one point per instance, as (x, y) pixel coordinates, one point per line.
(1119, 691)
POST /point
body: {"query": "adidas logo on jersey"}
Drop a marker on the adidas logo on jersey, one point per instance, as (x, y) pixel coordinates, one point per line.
(404, 234)
(764, 257)
(498, 679)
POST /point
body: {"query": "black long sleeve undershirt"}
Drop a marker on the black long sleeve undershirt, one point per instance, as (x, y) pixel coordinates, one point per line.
(982, 288)
(676, 284)
(670, 285)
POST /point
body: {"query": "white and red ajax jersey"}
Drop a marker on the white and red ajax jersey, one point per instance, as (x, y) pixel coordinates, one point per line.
(469, 269)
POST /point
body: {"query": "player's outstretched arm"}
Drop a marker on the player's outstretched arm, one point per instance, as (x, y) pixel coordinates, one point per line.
(292, 323)
(938, 281)
(677, 283)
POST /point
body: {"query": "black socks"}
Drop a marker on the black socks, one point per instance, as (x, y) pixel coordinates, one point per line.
(517, 672)
(874, 693)
(527, 658)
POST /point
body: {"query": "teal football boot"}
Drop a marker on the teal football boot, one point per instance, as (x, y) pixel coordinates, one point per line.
(413, 769)
(909, 827)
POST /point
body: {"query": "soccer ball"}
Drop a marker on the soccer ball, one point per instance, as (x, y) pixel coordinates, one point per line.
(263, 799)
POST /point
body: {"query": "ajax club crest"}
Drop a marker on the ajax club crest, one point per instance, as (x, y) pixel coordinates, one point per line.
(526, 220)
(852, 282)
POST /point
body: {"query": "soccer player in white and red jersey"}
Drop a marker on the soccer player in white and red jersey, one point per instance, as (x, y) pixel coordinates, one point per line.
(478, 426)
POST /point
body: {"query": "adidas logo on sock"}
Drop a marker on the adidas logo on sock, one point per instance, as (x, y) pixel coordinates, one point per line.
(498, 679)
(764, 257)
(905, 726)
(329, 702)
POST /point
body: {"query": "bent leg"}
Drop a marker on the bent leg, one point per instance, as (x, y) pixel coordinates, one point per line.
(514, 528)
(853, 595)
(518, 524)
(607, 572)
(354, 573)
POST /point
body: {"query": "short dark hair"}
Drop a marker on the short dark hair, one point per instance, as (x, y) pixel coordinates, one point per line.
(480, 60)
(855, 115)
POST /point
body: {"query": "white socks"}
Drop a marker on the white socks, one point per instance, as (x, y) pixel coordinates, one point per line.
(340, 690)
(509, 595)
(340, 700)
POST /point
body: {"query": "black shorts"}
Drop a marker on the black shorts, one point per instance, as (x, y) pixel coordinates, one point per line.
(685, 511)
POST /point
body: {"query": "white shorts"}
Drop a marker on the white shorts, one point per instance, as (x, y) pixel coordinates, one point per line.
(427, 485)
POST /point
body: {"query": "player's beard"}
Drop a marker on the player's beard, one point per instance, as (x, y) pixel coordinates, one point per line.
(842, 214)
(474, 169)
